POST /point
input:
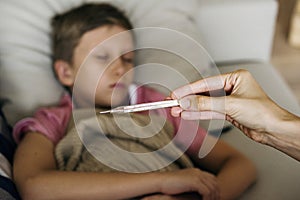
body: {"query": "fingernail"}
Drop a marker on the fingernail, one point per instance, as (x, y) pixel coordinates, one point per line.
(185, 103)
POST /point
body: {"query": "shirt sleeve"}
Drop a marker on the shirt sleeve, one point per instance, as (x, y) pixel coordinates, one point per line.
(51, 122)
(188, 134)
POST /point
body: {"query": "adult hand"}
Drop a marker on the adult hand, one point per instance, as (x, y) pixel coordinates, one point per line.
(245, 105)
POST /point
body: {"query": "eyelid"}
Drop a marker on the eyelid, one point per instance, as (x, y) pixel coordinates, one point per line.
(130, 59)
(128, 55)
(104, 57)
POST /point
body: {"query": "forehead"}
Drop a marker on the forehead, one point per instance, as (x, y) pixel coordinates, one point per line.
(110, 37)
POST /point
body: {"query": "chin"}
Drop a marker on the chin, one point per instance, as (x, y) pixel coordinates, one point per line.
(117, 101)
(112, 103)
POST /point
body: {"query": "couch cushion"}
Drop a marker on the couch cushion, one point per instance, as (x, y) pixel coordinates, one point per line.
(237, 29)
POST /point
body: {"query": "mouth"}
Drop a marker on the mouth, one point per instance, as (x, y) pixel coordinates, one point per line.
(118, 86)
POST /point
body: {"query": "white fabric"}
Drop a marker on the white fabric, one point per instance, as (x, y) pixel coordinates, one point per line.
(5, 167)
(26, 76)
(133, 94)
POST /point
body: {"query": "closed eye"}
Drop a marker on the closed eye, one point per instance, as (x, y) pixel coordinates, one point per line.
(128, 57)
(102, 57)
(127, 60)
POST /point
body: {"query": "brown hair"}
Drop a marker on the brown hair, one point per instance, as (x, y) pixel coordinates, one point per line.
(69, 27)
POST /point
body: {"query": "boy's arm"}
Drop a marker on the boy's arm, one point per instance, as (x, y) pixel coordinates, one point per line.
(234, 171)
(36, 177)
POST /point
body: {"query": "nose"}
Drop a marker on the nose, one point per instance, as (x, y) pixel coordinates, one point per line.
(118, 67)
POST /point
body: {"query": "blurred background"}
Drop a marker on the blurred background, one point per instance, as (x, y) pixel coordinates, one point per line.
(286, 47)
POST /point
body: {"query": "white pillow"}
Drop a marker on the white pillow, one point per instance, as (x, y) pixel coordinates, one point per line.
(26, 76)
(26, 73)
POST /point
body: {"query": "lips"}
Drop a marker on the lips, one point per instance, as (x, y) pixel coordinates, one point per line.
(118, 86)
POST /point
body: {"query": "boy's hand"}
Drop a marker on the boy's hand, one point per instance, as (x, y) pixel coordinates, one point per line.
(190, 180)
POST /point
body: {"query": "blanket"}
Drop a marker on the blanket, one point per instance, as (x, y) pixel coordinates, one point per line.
(127, 142)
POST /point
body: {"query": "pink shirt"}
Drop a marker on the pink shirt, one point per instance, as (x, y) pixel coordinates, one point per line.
(52, 122)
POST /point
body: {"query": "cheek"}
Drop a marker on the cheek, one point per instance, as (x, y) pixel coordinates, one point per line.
(90, 83)
(103, 77)
(93, 74)
(102, 82)
(129, 75)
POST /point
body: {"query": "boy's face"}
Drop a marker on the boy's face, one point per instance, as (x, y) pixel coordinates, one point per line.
(105, 73)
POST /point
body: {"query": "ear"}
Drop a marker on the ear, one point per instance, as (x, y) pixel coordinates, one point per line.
(64, 72)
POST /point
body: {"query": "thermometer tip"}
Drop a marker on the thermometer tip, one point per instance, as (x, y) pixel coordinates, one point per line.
(104, 112)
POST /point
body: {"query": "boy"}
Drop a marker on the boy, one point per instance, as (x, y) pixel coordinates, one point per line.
(76, 34)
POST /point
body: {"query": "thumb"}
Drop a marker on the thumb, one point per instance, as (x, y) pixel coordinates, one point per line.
(203, 103)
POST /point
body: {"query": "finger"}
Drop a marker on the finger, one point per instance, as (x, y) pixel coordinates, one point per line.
(205, 115)
(211, 182)
(207, 187)
(175, 111)
(203, 103)
(168, 98)
(214, 189)
(204, 85)
(153, 197)
(203, 191)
